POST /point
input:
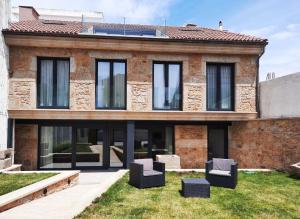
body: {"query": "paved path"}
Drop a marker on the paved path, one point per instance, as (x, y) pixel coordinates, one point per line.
(69, 202)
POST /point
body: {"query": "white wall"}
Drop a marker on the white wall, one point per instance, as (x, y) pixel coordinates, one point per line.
(63, 15)
(280, 97)
(4, 18)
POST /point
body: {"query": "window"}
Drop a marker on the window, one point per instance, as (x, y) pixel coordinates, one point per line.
(53, 82)
(55, 147)
(110, 84)
(167, 82)
(220, 83)
(150, 141)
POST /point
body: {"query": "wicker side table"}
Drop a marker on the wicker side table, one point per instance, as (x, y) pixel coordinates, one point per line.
(195, 188)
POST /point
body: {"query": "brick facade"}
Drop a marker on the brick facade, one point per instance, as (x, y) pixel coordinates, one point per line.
(191, 145)
(23, 66)
(265, 143)
(26, 146)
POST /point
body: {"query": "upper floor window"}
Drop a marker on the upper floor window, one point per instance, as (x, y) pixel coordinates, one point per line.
(53, 82)
(111, 84)
(167, 83)
(220, 84)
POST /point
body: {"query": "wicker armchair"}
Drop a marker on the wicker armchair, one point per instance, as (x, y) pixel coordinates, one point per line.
(145, 173)
(222, 172)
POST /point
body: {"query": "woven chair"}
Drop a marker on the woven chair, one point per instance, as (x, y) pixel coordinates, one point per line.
(144, 173)
(221, 172)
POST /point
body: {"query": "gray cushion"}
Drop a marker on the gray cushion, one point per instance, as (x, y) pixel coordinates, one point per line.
(151, 173)
(147, 163)
(222, 164)
(220, 172)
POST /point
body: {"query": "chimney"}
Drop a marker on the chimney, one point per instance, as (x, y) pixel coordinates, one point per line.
(221, 25)
(28, 13)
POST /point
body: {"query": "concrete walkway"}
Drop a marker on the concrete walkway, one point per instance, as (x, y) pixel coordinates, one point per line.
(69, 202)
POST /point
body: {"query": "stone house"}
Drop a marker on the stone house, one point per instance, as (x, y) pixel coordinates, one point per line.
(95, 95)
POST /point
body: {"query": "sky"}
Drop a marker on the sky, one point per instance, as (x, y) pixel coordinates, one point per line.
(276, 20)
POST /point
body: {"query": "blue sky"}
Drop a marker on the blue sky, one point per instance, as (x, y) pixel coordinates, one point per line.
(276, 20)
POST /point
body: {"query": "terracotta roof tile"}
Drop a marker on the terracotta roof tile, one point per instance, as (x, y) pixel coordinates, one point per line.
(173, 32)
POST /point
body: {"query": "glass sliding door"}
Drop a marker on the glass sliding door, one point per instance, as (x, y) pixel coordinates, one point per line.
(89, 147)
(82, 146)
(162, 141)
(55, 147)
(116, 147)
(141, 143)
(153, 140)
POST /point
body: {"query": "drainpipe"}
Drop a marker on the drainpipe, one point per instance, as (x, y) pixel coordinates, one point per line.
(257, 92)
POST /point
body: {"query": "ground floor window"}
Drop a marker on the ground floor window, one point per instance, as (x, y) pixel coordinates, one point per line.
(89, 147)
(55, 147)
(150, 141)
(82, 146)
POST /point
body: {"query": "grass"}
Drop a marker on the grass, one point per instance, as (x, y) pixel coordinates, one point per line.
(12, 182)
(258, 195)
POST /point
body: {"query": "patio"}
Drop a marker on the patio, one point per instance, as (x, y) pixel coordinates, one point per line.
(257, 195)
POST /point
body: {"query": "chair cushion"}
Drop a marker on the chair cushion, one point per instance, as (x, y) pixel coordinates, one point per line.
(222, 164)
(147, 163)
(152, 173)
(220, 172)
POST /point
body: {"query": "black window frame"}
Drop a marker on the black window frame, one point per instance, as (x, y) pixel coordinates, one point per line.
(152, 128)
(111, 83)
(166, 76)
(218, 87)
(54, 100)
(10, 131)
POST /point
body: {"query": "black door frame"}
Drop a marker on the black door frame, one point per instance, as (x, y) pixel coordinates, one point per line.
(107, 127)
(151, 127)
(218, 126)
(105, 155)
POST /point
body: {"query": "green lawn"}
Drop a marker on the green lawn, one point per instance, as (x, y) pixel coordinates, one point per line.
(258, 195)
(12, 182)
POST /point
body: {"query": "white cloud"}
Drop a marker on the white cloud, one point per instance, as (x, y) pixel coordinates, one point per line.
(260, 32)
(135, 11)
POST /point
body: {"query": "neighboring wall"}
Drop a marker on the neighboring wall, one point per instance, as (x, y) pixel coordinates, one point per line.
(273, 143)
(4, 18)
(22, 92)
(279, 98)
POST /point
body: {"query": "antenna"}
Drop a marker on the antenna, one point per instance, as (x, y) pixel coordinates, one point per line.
(124, 29)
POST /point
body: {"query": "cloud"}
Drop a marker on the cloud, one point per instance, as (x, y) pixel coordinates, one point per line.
(260, 32)
(135, 11)
(291, 31)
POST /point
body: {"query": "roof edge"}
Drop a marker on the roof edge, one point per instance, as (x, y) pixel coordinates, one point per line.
(263, 43)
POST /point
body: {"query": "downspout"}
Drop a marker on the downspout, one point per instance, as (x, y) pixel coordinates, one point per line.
(257, 90)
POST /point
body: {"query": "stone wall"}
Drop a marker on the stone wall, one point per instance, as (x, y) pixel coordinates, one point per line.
(26, 146)
(191, 145)
(265, 143)
(23, 66)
